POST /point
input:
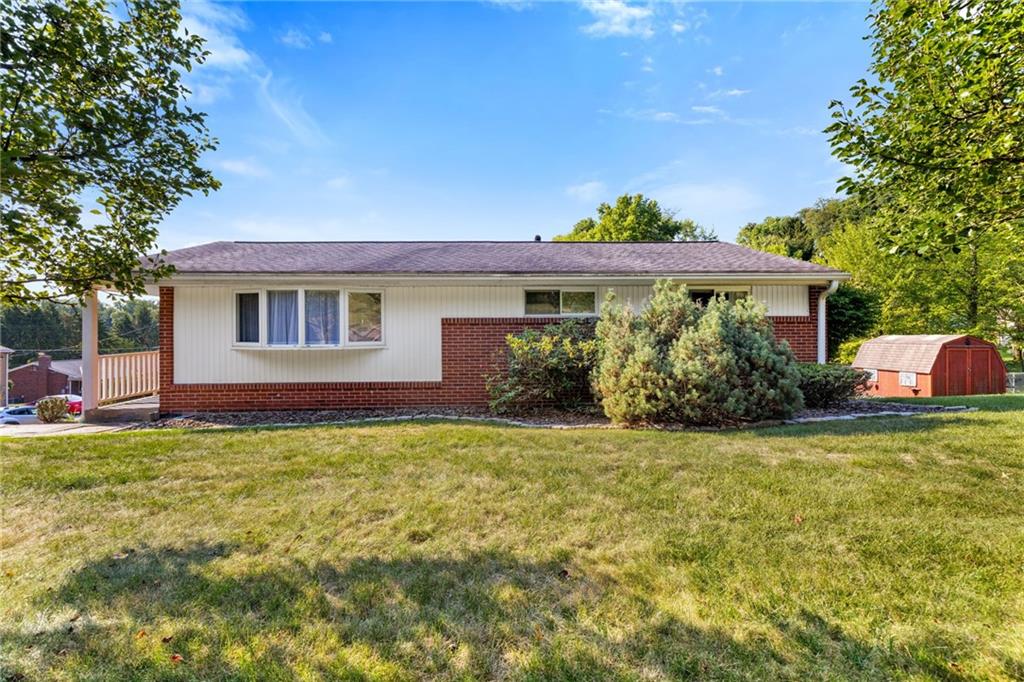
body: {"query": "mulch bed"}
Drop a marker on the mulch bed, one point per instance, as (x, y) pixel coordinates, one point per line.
(551, 419)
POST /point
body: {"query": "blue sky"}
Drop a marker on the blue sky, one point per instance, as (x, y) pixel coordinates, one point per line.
(463, 120)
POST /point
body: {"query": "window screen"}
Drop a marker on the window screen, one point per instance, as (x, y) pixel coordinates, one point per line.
(248, 330)
(322, 324)
(542, 302)
(365, 317)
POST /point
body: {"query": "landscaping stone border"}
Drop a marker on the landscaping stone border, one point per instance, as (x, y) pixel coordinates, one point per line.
(847, 412)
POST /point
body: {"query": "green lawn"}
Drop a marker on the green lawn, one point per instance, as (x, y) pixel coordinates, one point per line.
(884, 548)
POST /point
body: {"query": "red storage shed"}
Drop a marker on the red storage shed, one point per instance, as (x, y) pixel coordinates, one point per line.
(931, 364)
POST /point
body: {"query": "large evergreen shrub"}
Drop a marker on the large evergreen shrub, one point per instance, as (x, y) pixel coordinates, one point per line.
(730, 368)
(678, 362)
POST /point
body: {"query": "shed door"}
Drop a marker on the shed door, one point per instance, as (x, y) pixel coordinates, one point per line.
(956, 374)
(978, 370)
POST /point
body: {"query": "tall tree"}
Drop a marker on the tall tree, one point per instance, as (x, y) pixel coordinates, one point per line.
(937, 137)
(635, 218)
(782, 235)
(94, 113)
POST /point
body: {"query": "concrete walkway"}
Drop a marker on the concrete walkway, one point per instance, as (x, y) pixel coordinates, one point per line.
(61, 429)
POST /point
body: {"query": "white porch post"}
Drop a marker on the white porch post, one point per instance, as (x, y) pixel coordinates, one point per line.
(90, 356)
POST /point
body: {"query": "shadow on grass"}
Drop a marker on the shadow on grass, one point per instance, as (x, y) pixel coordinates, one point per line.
(232, 615)
(921, 423)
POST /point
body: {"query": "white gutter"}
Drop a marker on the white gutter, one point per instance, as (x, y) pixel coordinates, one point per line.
(822, 337)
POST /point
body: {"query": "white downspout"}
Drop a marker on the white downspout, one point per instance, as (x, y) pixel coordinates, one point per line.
(822, 337)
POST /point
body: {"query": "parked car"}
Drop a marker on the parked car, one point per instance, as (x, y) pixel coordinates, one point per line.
(74, 402)
(25, 414)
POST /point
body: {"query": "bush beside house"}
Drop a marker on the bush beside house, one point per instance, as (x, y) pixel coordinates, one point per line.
(680, 363)
(829, 385)
(545, 368)
(672, 362)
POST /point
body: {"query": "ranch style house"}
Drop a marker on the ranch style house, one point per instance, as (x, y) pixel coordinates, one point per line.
(334, 325)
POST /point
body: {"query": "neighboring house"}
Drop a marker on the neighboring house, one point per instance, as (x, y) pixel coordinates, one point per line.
(43, 377)
(317, 325)
(5, 356)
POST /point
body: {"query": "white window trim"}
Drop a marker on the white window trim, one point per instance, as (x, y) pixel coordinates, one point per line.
(261, 333)
(343, 342)
(383, 326)
(591, 290)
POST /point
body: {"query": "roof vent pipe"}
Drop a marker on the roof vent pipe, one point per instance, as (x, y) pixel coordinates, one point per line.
(536, 237)
(822, 338)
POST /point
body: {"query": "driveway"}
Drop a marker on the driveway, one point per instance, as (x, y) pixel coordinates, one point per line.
(61, 429)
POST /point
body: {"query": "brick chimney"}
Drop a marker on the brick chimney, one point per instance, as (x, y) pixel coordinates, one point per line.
(43, 362)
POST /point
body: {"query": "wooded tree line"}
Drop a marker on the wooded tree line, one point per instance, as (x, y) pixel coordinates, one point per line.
(56, 329)
(974, 289)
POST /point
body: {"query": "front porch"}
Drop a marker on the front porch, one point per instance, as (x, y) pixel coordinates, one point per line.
(116, 387)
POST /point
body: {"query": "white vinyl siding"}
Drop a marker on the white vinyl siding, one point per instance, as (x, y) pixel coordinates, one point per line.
(205, 326)
(783, 300)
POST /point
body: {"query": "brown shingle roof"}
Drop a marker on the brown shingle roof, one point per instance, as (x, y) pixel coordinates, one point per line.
(467, 258)
(909, 353)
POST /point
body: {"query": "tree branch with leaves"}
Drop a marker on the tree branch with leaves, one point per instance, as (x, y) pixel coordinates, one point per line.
(98, 143)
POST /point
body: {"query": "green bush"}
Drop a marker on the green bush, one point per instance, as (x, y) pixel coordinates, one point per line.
(549, 367)
(677, 362)
(827, 385)
(847, 351)
(731, 368)
(50, 410)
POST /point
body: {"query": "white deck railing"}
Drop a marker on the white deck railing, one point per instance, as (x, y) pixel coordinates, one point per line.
(128, 375)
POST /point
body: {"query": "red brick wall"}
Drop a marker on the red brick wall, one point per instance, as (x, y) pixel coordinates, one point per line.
(801, 332)
(32, 383)
(469, 347)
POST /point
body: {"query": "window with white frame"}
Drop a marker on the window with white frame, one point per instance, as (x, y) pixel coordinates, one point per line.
(283, 317)
(561, 302)
(703, 296)
(247, 317)
(308, 318)
(365, 317)
(323, 320)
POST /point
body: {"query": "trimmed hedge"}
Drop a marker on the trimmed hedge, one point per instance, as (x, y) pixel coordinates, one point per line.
(828, 385)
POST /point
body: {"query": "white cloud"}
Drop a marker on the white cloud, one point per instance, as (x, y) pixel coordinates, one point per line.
(339, 182)
(217, 24)
(706, 110)
(716, 70)
(288, 108)
(513, 5)
(677, 27)
(648, 65)
(655, 116)
(587, 191)
(325, 37)
(617, 18)
(243, 167)
(734, 92)
(293, 37)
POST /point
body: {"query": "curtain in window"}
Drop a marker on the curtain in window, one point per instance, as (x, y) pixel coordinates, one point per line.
(322, 317)
(283, 317)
